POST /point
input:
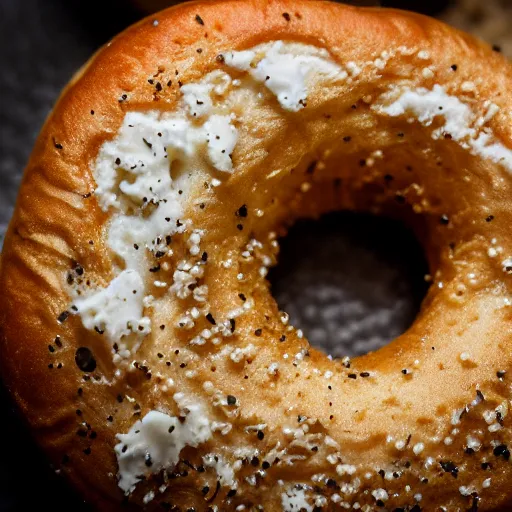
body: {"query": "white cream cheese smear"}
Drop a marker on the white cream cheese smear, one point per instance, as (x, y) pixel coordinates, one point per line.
(133, 176)
(154, 443)
(460, 122)
(222, 137)
(116, 310)
(294, 500)
(224, 471)
(286, 73)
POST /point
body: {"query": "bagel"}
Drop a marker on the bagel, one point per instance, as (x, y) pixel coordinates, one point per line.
(139, 336)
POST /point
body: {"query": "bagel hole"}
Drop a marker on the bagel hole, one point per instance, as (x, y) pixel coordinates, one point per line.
(352, 282)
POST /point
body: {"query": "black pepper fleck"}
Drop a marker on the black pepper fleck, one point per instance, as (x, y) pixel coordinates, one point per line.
(63, 317)
(311, 168)
(84, 359)
(242, 211)
(502, 451)
(450, 467)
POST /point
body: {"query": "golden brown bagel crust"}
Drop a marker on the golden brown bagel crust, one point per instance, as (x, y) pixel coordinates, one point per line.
(56, 218)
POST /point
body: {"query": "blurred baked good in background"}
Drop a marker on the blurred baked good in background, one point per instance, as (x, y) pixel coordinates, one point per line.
(490, 20)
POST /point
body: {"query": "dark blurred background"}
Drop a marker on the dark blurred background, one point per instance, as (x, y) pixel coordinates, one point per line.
(369, 297)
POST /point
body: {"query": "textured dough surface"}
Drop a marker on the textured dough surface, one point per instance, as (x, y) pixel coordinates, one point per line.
(54, 223)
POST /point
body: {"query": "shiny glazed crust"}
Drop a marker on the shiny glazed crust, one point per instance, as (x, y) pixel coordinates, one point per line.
(456, 357)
